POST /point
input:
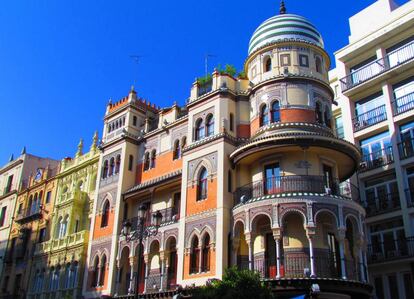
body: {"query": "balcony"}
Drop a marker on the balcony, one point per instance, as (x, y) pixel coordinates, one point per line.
(383, 204)
(377, 159)
(68, 241)
(295, 184)
(406, 148)
(169, 215)
(29, 214)
(403, 104)
(326, 266)
(390, 251)
(379, 66)
(75, 195)
(409, 195)
(369, 118)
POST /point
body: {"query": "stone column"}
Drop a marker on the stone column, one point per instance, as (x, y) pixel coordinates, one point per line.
(200, 258)
(118, 276)
(277, 234)
(341, 241)
(249, 240)
(146, 271)
(310, 232)
(132, 263)
(162, 270)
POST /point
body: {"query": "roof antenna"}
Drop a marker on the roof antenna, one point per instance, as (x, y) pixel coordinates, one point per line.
(282, 9)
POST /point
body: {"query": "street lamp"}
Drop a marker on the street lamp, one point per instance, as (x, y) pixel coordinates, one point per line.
(142, 232)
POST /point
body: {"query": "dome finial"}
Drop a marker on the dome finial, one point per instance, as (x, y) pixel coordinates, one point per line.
(282, 9)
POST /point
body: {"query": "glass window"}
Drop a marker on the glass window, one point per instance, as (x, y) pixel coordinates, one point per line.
(231, 122)
(275, 112)
(199, 130)
(339, 125)
(268, 65)
(202, 184)
(272, 178)
(400, 52)
(285, 59)
(210, 125)
(48, 196)
(377, 149)
(131, 162)
(3, 215)
(264, 115)
(303, 60)
(370, 110)
(365, 70)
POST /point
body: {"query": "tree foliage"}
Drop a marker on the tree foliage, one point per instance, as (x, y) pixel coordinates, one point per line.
(243, 284)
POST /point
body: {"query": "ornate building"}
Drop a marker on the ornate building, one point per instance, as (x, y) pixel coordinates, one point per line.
(248, 173)
(374, 87)
(30, 226)
(59, 261)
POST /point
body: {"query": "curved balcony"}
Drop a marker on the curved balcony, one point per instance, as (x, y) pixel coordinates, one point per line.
(296, 184)
(283, 138)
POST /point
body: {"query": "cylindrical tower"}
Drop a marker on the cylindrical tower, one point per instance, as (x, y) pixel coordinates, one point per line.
(296, 218)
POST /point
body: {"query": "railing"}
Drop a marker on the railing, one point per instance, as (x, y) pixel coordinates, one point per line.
(205, 88)
(32, 212)
(298, 266)
(409, 194)
(373, 69)
(377, 159)
(393, 250)
(168, 215)
(406, 148)
(55, 244)
(403, 104)
(369, 118)
(295, 184)
(383, 204)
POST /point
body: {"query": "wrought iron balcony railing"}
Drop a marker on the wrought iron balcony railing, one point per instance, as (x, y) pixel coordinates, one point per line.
(403, 104)
(406, 148)
(295, 184)
(383, 204)
(379, 66)
(369, 118)
(377, 159)
(29, 214)
(392, 250)
(168, 215)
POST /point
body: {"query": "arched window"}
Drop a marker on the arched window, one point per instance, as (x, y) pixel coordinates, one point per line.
(67, 277)
(327, 117)
(318, 64)
(105, 214)
(205, 266)
(202, 184)
(318, 115)
(102, 271)
(199, 130)
(74, 274)
(194, 256)
(264, 115)
(153, 156)
(95, 270)
(177, 150)
(105, 169)
(210, 125)
(40, 197)
(130, 162)
(268, 64)
(146, 161)
(111, 166)
(275, 112)
(117, 164)
(51, 277)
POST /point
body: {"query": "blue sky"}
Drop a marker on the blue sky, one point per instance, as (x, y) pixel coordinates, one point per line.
(61, 61)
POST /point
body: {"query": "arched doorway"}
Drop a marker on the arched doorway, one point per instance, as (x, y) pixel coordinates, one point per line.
(264, 247)
(124, 272)
(171, 246)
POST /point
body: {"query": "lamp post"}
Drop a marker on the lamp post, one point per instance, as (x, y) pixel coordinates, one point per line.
(142, 232)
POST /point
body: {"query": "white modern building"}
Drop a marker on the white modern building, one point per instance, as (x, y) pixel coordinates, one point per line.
(374, 89)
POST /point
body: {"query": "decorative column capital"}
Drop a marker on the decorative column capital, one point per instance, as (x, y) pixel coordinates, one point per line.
(341, 233)
(310, 231)
(277, 233)
(163, 255)
(133, 260)
(146, 258)
(249, 237)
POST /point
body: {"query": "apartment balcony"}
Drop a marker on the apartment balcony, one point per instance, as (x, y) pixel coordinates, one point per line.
(369, 118)
(377, 159)
(75, 196)
(406, 148)
(286, 185)
(403, 104)
(384, 204)
(391, 251)
(169, 215)
(29, 214)
(391, 61)
(409, 195)
(71, 240)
